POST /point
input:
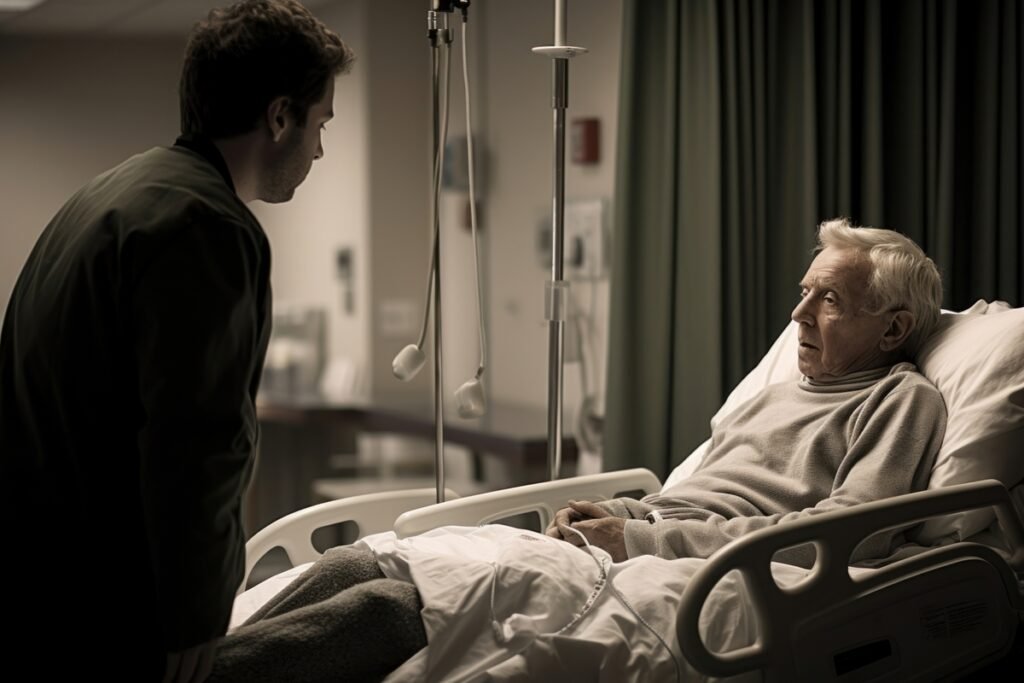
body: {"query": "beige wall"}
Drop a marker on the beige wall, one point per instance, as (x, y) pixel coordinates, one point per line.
(512, 126)
(74, 106)
(398, 68)
(519, 133)
(331, 210)
(69, 109)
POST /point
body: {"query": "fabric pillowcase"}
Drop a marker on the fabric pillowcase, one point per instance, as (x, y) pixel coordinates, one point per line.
(976, 359)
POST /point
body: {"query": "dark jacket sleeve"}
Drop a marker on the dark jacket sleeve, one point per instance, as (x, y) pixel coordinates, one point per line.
(195, 318)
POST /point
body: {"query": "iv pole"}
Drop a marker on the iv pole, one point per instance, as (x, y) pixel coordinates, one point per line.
(440, 37)
(556, 301)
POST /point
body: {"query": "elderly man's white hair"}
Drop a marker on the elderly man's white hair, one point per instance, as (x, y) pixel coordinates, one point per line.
(902, 275)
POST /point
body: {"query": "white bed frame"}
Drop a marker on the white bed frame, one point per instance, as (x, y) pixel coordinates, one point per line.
(371, 513)
(937, 615)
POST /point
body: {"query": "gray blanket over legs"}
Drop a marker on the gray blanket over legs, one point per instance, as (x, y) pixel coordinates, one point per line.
(341, 620)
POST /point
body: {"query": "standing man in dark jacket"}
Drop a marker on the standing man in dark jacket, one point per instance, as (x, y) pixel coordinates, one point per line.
(130, 356)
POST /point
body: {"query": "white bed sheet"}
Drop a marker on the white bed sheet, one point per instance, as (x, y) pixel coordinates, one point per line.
(652, 586)
(247, 602)
(539, 586)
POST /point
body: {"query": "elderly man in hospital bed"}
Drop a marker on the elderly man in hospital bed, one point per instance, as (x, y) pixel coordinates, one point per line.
(862, 424)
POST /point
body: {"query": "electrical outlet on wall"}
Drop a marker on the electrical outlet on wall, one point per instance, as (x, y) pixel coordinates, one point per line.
(584, 251)
(397, 318)
(585, 239)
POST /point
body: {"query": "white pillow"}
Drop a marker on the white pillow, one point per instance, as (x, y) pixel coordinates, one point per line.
(778, 365)
(976, 359)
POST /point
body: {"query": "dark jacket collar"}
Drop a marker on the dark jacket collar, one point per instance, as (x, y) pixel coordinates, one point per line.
(205, 148)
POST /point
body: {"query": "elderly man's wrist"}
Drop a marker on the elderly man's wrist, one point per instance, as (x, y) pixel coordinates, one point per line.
(640, 538)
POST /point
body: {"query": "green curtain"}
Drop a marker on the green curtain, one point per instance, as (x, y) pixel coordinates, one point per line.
(743, 125)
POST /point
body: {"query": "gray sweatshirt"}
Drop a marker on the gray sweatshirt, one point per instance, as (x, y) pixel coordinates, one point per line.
(797, 449)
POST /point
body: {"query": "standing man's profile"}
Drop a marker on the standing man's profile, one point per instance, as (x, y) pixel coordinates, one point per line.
(130, 357)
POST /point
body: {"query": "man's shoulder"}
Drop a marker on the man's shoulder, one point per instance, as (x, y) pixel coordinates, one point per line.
(178, 178)
(137, 209)
(164, 189)
(904, 382)
(906, 375)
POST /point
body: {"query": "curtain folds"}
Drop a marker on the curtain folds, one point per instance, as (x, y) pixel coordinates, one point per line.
(744, 124)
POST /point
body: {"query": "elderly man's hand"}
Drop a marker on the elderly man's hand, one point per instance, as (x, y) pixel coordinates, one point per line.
(597, 525)
(564, 518)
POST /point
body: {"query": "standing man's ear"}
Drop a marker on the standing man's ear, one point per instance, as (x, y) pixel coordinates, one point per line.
(278, 117)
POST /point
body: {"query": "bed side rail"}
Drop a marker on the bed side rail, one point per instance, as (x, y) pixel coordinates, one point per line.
(544, 498)
(835, 536)
(372, 513)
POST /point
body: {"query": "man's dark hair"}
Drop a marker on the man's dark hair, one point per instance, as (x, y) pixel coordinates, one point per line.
(242, 57)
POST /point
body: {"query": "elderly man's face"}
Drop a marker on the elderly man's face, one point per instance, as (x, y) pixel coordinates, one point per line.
(836, 336)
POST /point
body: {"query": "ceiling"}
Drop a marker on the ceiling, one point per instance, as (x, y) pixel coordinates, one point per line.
(113, 17)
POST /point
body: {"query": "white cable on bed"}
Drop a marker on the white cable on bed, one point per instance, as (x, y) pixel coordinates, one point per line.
(625, 603)
(599, 586)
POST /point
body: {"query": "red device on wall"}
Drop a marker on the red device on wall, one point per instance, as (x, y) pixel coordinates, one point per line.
(586, 141)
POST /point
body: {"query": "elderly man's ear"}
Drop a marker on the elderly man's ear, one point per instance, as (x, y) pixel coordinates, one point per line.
(900, 327)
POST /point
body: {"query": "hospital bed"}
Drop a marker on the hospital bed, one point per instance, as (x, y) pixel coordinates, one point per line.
(945, 609)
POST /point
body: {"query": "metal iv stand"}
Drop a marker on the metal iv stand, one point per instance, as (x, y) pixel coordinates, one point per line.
(440, 39)
(556, 302)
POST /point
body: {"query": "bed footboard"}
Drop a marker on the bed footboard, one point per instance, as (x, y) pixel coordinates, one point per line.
(544, 499)
(943, 611)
